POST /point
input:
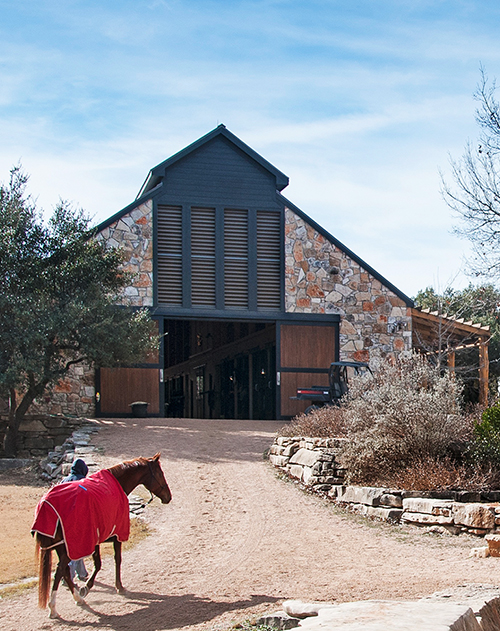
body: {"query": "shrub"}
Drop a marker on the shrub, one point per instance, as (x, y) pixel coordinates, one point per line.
(485, 447)
(442, 474)
(408, 412)
(325, 422)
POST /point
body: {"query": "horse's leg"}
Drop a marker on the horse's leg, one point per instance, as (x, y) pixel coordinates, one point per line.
(62, 571)
(96, 556)
(117, 545)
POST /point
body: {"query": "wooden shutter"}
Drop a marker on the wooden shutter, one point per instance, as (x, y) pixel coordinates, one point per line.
(170, 255)
(203, 257)
(268, 260)
(235, 259)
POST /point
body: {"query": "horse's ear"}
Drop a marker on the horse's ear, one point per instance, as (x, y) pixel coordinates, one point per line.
(156, 456)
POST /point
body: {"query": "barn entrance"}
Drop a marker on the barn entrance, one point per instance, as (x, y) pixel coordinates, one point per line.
(215, 369)
(224, 369)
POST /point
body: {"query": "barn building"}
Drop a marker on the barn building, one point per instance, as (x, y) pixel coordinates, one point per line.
(251, 296)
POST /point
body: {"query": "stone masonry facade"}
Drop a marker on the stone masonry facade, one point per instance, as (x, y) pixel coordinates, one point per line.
(321, 278)
(73, 396)
(133, 232)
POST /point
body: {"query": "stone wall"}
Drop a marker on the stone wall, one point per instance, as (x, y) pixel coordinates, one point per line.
(39, 434)
(314, 462)
(321, 278)
(133, 232)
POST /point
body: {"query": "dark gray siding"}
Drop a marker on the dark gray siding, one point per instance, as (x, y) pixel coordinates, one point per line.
(218, 172)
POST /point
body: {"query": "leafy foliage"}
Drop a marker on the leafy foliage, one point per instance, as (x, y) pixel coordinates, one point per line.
(60, 301)
(484, 450)
(481, 304)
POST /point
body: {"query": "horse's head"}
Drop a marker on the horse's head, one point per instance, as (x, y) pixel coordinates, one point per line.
(154, 480)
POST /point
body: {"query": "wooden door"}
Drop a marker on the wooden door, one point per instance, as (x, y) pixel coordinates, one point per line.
(306, 352)
(119, 387)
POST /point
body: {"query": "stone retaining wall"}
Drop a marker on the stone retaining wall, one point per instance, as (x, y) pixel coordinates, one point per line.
(39, 434)
(314, 462)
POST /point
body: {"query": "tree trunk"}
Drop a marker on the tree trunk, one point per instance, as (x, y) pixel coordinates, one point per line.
(16, 415)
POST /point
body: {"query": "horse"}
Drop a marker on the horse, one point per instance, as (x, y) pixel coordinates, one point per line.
(127, 475)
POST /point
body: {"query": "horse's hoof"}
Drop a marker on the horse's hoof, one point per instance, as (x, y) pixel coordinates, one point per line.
(121, 590)
(84, 590)
(54, 615)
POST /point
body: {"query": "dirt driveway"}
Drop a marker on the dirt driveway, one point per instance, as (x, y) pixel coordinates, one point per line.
(236, 541)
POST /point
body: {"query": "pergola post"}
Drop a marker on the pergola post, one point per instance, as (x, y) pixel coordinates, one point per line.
(451, 360)
(484, 369)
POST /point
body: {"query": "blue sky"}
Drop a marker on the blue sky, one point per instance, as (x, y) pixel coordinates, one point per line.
(360, 103)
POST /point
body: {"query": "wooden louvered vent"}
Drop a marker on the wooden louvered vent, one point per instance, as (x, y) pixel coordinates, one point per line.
(268, 260)
(235, 259)
(170, 255)
(203, 257)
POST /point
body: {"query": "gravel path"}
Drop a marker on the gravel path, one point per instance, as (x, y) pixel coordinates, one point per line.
(236, 541)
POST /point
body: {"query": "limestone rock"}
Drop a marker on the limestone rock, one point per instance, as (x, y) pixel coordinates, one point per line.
(480, 553)
(393, 616)
(362, 495)
(305, 457)
(493, 545)
(429, 506)
(425, 518)
(474, 515)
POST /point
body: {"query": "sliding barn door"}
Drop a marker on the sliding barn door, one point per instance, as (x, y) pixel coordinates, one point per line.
(306, 352)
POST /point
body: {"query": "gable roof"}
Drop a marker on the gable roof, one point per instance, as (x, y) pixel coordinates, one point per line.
(156, 174)
(153, 185)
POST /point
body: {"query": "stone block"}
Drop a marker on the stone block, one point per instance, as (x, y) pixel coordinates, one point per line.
(305, 457)
(493, 545)
(32, 426)
(308, 476)
(429, 506)
(375, 615)
(384, 514)
(291, 449)
(363, 495)
(474, 515)
(278, 461)
(490, 615)
(295, 470)
(426, 518)
(391, 499)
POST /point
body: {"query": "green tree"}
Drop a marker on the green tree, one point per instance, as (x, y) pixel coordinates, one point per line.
(60, 302)
(481, 304)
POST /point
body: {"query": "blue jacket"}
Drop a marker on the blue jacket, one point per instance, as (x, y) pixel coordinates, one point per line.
(79, 471)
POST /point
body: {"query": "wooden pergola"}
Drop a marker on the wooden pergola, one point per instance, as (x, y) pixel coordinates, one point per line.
(441, 334)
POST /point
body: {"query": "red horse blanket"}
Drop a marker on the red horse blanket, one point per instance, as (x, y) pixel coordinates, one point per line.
(89, 510)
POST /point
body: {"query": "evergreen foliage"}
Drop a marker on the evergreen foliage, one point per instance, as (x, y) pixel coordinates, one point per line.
(60, 301)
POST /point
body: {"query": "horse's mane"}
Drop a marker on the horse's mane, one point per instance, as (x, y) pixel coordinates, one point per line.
(118, 469)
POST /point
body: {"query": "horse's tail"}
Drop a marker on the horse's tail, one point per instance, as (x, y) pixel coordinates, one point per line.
(44, 558)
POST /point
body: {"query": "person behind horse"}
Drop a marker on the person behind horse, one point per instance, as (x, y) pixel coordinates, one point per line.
(79, 471)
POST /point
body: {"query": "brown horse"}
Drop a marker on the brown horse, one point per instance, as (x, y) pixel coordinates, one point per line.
(129, 474)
